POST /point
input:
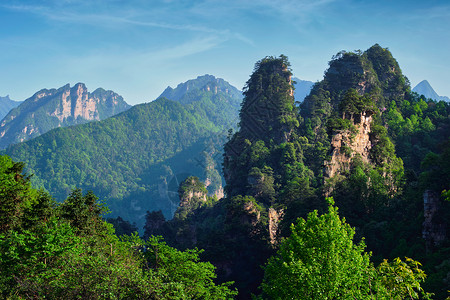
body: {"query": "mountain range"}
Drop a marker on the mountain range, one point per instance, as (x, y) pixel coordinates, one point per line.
(52, 108)
(135, 160)
(424, 88)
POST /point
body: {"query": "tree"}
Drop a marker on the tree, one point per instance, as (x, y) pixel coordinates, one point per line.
(320, 261)
(15, 193)
(83, 212)
(182, 274)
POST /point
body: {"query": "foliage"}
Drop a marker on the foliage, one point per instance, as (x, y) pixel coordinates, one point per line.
(193, 194)
(353, 103)
(122, 227)
(82, 212)
(74, 254)
(320, 261)
(401, 279)
(274, 170)
(182, 275)
(21, 205)
(269, 89)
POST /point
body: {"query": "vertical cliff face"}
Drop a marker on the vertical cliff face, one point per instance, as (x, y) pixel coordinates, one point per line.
(76, 103)
(275, 217)
(340, 112)
(48, 109)
(434, 230)
(346, 144)
(192, 193)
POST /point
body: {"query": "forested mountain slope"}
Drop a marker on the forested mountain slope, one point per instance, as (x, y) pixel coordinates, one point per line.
(53, 108)
(132, 160)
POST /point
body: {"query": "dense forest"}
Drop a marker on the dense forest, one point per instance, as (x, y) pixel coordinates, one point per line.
(345, 196)
(66, 251)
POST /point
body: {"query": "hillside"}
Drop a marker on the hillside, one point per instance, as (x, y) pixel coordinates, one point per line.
(6, 105)
(133, 159)
(53, 108)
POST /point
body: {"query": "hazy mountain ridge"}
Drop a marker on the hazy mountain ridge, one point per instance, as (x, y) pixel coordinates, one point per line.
(52, 108)
(6, 104)
(425, 88)
(302, 88)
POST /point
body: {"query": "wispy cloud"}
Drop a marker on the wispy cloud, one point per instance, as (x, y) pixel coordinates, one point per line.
(289, 10)
(129, 60)
(76, 12)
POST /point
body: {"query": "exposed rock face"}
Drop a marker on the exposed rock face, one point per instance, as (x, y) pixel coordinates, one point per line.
(48, 109)
(345, 145)
(434, 232)
(188, 198)
(219, 193)
(274, 220)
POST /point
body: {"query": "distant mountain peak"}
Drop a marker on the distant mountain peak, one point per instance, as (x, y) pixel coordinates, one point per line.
(425, 88)
(302, 88)
(52, 108)
(186, 92)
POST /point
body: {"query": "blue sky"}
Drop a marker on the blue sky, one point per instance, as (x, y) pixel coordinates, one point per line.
(139, 47)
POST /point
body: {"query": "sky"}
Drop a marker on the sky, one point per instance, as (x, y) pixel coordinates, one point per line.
(139, 47)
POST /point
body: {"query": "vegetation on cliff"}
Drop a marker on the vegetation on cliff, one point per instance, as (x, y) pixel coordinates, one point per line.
(358, 122)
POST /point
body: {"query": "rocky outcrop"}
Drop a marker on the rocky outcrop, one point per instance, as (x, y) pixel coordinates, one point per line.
(275, 217)
(193, 194)
(346, 144)
(48, 109)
